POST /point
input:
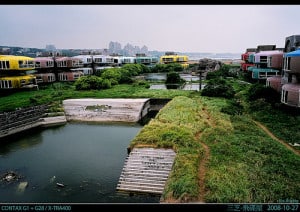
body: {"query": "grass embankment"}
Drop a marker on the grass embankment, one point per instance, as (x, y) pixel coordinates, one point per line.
(175, 126)
(244, 165)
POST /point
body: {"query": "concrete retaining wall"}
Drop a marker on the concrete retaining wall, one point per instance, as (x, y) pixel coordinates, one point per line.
(105, 110)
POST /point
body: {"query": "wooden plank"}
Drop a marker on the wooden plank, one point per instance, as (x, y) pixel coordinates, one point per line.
(169, 166)
(142, 160)
(151, 155)
(142, 174)
(137, 179)
(146, 161)
(130, 189)
(152, 150)
(151, 168)
(146, 170)
(160, 188)
(140, 183)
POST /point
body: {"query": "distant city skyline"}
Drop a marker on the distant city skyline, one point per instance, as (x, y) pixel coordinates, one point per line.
(177, 28)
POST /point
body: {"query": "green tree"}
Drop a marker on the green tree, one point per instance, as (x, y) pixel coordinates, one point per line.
(113, 74)
(133, 69)
(91, 82)
(218, 87)
(173, 78)
(173, 81)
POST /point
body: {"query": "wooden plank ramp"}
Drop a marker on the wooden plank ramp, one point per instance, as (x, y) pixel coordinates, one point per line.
(146, 170)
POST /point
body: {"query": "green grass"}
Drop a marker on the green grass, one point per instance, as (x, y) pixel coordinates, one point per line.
(284, 123)
(177, 131)
(248, 166)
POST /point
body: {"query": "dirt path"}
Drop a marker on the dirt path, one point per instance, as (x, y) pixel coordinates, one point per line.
(202, 172)
(297, 152)
(205, 159)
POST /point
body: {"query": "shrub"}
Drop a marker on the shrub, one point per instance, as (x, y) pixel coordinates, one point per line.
(133, 69)
(260, 91)
(91, 82)
(223, 72)
(234, 108)
(141, 83)
(218, 88)
(173, 78)
(106, 84)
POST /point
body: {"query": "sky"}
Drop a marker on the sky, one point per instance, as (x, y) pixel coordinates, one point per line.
(178, 28)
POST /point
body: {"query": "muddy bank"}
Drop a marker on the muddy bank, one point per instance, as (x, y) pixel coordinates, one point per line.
(105, 110)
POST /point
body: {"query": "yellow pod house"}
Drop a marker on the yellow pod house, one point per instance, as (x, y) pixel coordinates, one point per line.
(11, 82)
(16, 63)
(171, 57)
(13, 72)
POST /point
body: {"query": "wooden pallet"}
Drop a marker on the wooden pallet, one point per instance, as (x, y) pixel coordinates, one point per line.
(146, 170)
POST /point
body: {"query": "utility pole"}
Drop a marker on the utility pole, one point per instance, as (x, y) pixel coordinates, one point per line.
(200, 80)
(200, 69)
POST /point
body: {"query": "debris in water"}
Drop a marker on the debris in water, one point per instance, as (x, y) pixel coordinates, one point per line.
(21, 187)
(10, 176)
(60, 184)
(52, 179)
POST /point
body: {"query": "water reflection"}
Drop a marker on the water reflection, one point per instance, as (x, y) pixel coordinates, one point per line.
(189, 77)
(155, 76)
(19, 141)
(191, 82)
(193, 86)
(163, 76)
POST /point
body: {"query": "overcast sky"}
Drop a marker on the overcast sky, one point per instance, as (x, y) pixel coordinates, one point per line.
(179, 28)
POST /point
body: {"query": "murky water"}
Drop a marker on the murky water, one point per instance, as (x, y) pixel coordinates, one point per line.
(191, 81)
(86, 158)
(163, 76)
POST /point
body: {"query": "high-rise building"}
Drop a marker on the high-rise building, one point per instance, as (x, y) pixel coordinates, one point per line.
(50, 47)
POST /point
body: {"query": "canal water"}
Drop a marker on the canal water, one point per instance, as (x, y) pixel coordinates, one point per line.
(163, 76)
(191, 81)
(86, 158)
